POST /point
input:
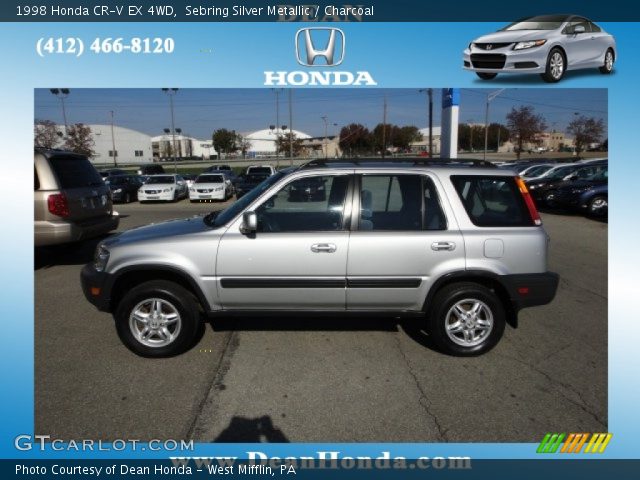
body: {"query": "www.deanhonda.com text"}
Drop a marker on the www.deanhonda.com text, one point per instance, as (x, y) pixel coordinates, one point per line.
(325, 459)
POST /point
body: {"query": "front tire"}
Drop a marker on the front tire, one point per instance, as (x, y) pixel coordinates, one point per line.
(556, 66)
(157, 319)
(607, 67)
(486, 76)
(598, 206)
(466, 319)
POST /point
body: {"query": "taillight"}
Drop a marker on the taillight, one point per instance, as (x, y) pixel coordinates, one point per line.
(531, 206)
(58, 204)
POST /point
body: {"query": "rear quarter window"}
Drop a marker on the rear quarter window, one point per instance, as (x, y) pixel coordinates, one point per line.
(492, 201)
(74, 172)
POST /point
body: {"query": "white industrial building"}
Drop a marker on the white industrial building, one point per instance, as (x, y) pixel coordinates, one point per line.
(263, 142)
(131, 146)
(185, 147)
(423, 145)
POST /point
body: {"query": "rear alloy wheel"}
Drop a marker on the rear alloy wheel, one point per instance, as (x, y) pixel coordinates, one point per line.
(157, 319)
(550, 199)
(556, 66)
(466, 319)
(598, 206)
(608, 62)
(486, 76)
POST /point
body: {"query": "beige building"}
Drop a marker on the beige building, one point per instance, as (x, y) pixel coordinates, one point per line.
(320, 147)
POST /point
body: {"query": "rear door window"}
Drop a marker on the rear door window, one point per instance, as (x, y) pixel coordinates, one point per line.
(75, 172)
(492, 201)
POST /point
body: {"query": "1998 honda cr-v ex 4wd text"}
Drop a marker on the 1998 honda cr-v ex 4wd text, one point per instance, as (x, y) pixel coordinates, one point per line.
(547, 44)
(459, 244)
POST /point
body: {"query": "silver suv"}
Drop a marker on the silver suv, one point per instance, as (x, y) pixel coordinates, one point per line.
(459, 244)
(71, 201)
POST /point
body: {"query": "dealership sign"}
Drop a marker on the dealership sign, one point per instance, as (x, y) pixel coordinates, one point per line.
(312, 52)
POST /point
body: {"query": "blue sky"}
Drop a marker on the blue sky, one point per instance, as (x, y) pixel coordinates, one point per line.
(200, 111)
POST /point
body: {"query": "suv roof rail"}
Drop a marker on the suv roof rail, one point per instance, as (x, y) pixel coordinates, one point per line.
(462, 162)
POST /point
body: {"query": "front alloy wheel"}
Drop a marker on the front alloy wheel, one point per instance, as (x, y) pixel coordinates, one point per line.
(555, 66)
(158, 319)
(598, 206)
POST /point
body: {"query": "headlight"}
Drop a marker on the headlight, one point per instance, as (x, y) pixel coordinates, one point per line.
(168, 189)
(470, 46)
(117, 190)
(101, 258)
(529, 44)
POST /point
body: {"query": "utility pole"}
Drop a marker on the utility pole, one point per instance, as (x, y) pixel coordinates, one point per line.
(384, 127)
(324, 119)
(490, 97)
(277, 92)
(291, 126)
(62, 93)
(113, 143)
(171, 92)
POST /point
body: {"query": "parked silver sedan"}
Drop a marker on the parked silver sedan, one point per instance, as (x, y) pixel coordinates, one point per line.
(546, 44)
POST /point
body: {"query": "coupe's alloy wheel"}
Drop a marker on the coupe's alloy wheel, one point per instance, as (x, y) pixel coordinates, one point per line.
(469, 322)
(155, 322)
(557, 65)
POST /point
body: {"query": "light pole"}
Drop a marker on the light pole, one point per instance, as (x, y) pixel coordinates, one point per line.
(171, 92)
(277, 92)
(490, 97)
(470, 121)
(291, 126)
(430, 115)
(113, 143)
(62, 93)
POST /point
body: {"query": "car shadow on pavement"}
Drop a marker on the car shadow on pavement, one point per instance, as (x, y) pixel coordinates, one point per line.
(77, 253)
(305, 324)
(251, 430)
(534, 79)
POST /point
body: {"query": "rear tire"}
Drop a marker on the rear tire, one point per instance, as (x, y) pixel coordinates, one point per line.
(167, 311)
(556, 66)
(598, 206)
(486, 76)
(607, 67)
(466, 319)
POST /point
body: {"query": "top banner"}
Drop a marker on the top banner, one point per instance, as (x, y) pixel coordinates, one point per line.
(303, 11)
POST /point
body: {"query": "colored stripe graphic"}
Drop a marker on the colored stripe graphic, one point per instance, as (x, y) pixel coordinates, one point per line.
(573, 442)
(550, 443)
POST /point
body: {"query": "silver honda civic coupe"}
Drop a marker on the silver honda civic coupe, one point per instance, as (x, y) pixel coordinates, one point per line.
(545, 44)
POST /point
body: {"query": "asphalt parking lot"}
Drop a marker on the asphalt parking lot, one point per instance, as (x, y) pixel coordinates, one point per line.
(325, 380)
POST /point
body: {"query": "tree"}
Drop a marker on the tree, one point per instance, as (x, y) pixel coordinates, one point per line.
(468, 134)
(585, 131)
(403, 137)
(382, 138)
(244, 144)
(45, 134)
(355, 139)
(284, 143)
(497, 133)
(524, 126)
(80, 139)
(225, 140)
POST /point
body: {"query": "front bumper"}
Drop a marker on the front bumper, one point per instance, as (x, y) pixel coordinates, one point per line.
(215, 195)
(505, 60)
(96, 287)
(156, 197)
(531, 289)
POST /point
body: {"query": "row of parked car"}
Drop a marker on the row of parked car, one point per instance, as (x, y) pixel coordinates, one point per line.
(218, 182)
(580, 186)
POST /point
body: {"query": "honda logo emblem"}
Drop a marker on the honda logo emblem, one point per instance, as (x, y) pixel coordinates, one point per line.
(489, 46)
(308, 51)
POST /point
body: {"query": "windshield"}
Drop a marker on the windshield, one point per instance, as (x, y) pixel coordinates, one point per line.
(259, 170)
(542, 22)
(161, 179)
(229, 213)
(558, 173)
(210, 179)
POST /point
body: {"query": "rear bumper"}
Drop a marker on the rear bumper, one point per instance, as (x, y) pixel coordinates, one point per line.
(532, 289)
(53, 233)
(96, 287)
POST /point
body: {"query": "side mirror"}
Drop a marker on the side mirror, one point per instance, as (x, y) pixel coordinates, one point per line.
(578, 29)
(249, 223)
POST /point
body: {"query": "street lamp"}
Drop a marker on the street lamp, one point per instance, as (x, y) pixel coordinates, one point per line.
(430, 109)
(62, 93)
(325, 143)
(490, 97)
(171, 92)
